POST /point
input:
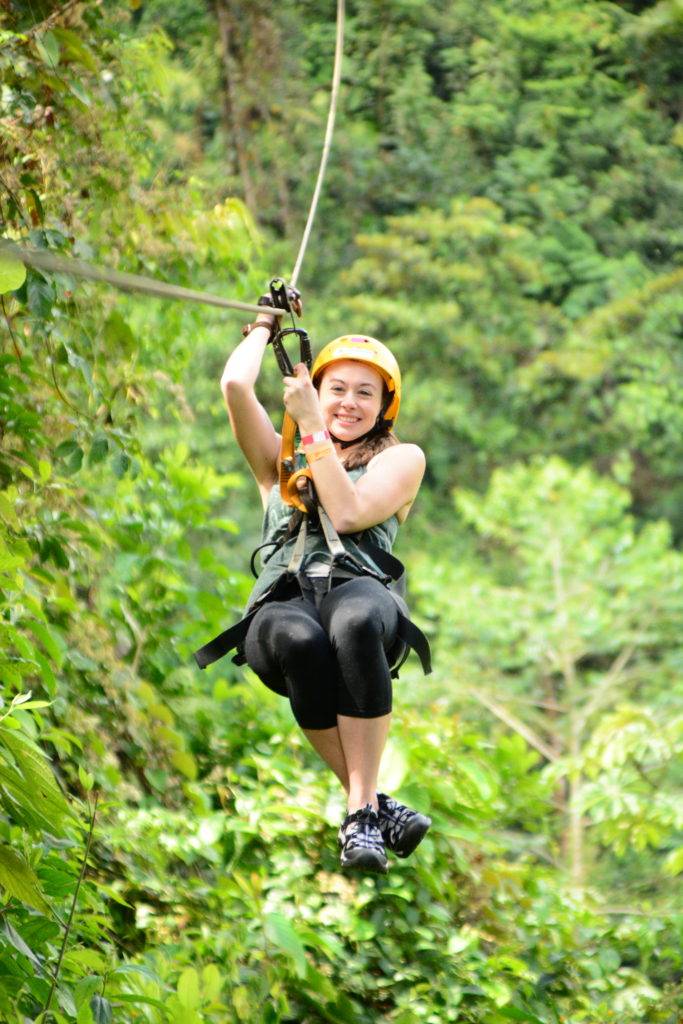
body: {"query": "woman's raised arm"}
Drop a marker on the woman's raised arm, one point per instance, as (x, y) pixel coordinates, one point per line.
(250, 424)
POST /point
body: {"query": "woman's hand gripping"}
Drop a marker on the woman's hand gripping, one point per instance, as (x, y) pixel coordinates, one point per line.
(301, 400)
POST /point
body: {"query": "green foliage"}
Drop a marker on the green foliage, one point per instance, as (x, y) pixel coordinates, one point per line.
(572, 614)
(503, 206)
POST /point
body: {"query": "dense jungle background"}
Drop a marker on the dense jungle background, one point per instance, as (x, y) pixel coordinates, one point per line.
(504, 207)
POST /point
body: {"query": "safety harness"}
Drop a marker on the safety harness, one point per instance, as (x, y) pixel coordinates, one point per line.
(341, 564)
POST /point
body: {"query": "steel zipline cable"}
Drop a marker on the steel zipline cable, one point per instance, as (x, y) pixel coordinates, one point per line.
(44, 259)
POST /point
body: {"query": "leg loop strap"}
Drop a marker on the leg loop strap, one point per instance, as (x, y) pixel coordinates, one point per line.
(415, 638)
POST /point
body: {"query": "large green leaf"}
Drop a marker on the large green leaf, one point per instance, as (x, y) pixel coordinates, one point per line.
(282, 934)
(47, 46)
(188, 988)
(20, 881)
(38, 774)
(15, 939)
(49, 638)
(19, 804)
(514, 1013)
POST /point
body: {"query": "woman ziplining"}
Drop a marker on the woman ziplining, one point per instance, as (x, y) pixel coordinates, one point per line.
(326, 622)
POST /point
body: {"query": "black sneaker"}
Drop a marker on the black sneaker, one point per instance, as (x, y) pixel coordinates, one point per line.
(402, 829)
(362, 848)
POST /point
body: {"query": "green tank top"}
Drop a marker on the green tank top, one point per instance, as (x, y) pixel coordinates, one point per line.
(275, 522)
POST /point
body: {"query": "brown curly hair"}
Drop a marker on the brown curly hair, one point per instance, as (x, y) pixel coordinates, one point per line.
(367, 449)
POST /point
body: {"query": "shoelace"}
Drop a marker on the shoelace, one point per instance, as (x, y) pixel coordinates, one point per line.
(362, 829)
(396, 817)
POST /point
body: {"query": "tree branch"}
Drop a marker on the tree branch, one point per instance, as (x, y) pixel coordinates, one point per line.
(515, 723)
(610, 678)
(54, 18)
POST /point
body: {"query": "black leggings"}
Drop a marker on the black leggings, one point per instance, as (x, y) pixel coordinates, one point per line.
(334, 660)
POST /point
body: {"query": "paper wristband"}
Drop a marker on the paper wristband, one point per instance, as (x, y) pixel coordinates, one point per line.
(317, 438)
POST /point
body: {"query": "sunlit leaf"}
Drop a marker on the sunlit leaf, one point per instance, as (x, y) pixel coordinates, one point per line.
(47, 46)
(12, 273)
(188, 988)
(19, 880)
(282, 934)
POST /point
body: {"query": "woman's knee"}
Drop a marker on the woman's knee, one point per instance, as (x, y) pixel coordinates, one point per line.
(303, 644)
(287, 627)
(357, 621)
(281, 638)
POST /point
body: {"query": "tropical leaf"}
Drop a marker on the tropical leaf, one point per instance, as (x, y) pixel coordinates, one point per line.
(20, 881)
(283, 935)
(30, 791)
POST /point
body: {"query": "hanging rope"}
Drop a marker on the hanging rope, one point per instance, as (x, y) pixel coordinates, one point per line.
(327, 144)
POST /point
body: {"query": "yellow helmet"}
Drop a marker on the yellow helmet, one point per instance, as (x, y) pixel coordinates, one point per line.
(363, 349)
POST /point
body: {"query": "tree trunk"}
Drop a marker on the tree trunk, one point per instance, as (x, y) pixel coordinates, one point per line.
(231, 113)
(573, 838)
(574, 808)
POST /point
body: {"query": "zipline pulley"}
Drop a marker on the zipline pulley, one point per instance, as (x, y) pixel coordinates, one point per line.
(283, 296)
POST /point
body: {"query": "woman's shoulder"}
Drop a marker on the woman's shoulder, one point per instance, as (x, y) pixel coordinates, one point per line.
(401, 454)
(399, 470)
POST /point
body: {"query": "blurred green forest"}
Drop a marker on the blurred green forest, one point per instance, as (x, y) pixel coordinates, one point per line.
(504, 207)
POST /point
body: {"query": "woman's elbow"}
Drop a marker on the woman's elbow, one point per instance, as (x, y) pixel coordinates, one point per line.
(344, 522)
(231, 388)
(341, 524)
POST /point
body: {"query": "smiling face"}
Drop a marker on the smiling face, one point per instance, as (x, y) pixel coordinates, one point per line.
(351, 396)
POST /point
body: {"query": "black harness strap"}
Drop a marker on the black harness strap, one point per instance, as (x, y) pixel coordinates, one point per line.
(234, 636)
(415, 638)
(299, 551)
(224, 642)
(342, 565)
(408, 632)
(389, 564)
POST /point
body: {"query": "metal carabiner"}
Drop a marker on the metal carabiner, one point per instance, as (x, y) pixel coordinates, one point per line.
(283, 360)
